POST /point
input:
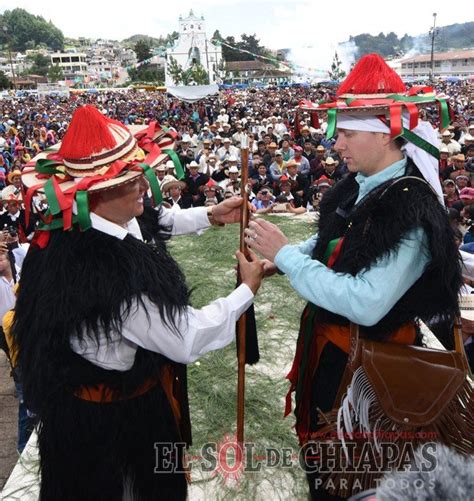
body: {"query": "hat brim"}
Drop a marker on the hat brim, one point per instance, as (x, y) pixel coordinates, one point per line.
(171, 184)
(368, 109)
(31, 178)
(11, 175)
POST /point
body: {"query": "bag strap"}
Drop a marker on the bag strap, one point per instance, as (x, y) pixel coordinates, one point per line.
(353, 361)
(354, 347)
(459, 345)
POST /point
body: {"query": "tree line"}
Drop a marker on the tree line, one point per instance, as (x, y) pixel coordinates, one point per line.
(21, 31)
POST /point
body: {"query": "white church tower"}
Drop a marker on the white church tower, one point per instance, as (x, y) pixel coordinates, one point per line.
(193, 47)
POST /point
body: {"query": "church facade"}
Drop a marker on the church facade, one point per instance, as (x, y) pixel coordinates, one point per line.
(193, 47)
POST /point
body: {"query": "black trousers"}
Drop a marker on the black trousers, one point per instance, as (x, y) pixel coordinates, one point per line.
(323, 394)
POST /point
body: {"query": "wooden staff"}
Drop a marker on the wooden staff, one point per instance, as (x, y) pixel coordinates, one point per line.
(242, 323)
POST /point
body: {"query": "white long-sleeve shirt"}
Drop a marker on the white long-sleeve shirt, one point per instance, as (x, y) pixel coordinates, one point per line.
(200, 330)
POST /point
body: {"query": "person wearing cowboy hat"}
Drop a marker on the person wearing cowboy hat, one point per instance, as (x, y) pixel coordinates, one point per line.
(299, 183)
(329, 169)
(195, 181)
(457, 167)
(319, 156)
(170, 168)
(14, 178)
(13, 220)
(206, 148)
(103, 324)
(269, 156)
(216, 143)
(208, 164)
(448, 141)
(205, 134)
(161, 171)
(232, 181)
(185, 152)
(443, 160)
(385, 253)
(226, 132)
(239, 134)
(203, 159)
(223, 117)
(227, 150)
(174, 197)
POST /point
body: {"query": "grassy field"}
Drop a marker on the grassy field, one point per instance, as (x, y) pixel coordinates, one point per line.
(208, 261)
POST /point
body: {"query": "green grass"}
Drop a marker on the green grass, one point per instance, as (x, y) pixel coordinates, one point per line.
(208, 262)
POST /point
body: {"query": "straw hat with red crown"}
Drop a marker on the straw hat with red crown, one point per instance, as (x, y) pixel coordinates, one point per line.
(97, 154)
(373, 98)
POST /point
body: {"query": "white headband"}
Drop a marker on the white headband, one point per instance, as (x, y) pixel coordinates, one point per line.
(426, 163)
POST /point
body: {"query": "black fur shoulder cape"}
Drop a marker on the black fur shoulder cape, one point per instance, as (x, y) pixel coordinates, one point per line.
(88, 281)
(375, 227)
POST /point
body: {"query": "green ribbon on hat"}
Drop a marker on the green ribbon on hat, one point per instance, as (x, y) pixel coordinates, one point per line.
(420, 142)
(332, 120)
(53, 201)
(443, 105)
(444, 112)
(154, 185)
(45, 166)
(83, 213)
(177, 162)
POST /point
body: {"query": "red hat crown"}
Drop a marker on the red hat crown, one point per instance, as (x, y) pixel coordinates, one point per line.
(93, 140)
(371, 75)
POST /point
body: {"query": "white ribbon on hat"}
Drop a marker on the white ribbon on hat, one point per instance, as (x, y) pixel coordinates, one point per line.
(426, 163)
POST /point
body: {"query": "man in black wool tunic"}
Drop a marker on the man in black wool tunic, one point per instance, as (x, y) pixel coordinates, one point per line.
(103, 322)
(384, 257)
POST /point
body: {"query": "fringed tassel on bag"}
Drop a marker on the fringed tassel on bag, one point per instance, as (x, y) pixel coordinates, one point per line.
(361, 415)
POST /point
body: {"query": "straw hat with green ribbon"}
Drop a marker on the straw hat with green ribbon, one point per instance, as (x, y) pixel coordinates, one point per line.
(96, 154)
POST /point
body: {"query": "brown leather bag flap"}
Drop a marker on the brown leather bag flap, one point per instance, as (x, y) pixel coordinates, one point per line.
(413, 384)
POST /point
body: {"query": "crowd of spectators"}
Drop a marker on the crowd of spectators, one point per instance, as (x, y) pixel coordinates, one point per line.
(291, 162)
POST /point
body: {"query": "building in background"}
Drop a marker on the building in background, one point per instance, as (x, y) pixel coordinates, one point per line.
(254, 72)
(73, 64)
(193, 47)
(451, 64)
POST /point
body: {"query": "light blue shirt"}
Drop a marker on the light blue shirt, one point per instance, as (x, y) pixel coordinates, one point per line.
(366, 298)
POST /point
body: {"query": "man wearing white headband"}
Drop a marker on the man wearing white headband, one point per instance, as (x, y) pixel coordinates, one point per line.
(384, 256)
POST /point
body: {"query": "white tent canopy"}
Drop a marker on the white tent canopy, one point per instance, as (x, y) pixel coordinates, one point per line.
(193, 93)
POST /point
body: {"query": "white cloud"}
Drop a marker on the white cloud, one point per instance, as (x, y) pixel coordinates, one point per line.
(292, 24)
